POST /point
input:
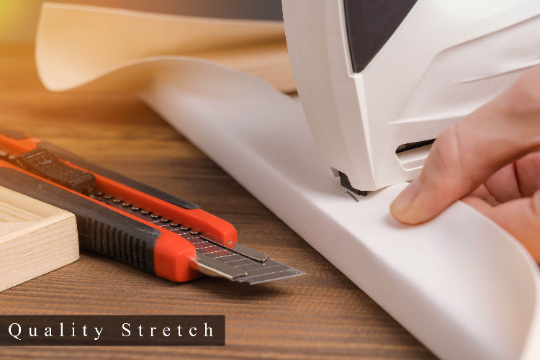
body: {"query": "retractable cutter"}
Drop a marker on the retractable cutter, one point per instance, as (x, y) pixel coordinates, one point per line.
(130, 221)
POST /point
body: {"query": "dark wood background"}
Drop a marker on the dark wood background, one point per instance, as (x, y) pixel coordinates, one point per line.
(322, 315)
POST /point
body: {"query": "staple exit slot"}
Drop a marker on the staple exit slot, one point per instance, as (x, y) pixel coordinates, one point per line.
(413, 155)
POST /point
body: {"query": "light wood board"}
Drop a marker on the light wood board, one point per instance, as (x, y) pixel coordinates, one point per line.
(35, 238)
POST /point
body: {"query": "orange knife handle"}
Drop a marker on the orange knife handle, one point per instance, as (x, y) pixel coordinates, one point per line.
(145, 196)
(108, 231)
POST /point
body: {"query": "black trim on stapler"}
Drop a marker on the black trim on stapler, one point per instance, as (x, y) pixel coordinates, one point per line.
(347, 185)
(370, 24)
(412, 146)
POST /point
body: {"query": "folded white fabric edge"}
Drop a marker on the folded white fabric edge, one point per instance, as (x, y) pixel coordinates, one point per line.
(460, 284)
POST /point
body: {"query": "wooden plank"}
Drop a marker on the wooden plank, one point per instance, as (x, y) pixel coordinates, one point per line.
(35, 238)
(269, 62)
(318, 316)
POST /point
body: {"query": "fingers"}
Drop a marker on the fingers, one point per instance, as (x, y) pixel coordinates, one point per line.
(503, 185)
(479, 204)
(528, 174)
(468, 153)
(514, 181)
(521, 218)
(483, 193)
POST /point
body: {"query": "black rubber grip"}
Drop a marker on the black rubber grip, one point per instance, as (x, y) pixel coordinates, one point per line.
(370, 24)
(79, 161)
(100, 229)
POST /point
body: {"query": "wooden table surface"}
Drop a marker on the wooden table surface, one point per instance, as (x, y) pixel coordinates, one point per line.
(322, 315)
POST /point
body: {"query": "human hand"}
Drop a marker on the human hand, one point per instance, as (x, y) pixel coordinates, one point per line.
(491, 160)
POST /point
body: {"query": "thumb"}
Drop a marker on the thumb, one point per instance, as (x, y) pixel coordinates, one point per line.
(469, 152)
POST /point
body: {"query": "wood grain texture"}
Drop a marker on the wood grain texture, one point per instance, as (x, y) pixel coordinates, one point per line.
(35, 238)
(318, 316)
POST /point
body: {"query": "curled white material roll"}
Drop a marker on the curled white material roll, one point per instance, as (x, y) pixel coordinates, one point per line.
(460, 284)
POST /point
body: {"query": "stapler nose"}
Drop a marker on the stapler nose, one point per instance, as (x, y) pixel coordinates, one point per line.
(347, 185)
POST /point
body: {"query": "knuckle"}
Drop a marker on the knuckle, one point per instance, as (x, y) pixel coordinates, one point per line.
(445, 163)
(462, 174)
(446, 150)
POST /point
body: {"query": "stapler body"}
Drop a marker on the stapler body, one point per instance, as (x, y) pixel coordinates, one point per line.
(379, 80)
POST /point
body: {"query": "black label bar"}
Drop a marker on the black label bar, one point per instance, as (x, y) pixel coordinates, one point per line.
(117, 330)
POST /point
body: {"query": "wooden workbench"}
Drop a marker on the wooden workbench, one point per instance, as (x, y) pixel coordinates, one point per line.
(322, 315)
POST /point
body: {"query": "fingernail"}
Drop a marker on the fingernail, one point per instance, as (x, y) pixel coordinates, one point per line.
(406, 198)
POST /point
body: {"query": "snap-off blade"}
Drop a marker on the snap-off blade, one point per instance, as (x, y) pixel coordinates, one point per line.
(234, 262)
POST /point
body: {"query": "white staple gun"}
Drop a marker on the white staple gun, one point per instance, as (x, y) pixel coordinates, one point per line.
(379, 80)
